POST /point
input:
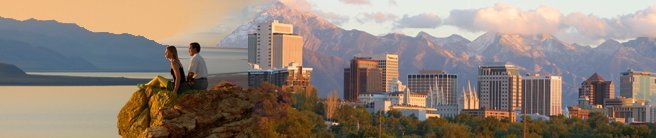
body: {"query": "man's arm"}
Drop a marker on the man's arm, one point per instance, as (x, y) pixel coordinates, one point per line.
(193, 68)
(190, 77)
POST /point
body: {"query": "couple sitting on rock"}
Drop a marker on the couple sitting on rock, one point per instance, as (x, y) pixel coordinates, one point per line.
(197, 77)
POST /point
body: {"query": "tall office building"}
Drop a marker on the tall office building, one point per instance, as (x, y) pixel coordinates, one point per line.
(597, 89)
(276, 56)
(389, 65)
(542, 94)
(500, 88)
(275, 46)
(638, 85)
(362, 76)
(437, 85)
(252, 48)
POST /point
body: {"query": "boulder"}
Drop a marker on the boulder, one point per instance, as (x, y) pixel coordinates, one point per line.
(154, 111)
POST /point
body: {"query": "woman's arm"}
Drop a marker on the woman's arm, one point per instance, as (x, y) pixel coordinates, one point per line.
(176, 72)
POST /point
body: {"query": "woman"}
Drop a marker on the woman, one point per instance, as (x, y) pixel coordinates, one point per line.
(176, 69)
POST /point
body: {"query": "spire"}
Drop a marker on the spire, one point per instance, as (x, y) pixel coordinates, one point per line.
(465, 100)
(431, 94)
(406, 96)
(443, 99)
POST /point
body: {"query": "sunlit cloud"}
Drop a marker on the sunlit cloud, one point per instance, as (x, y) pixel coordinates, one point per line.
(424, 20)
(505, 18)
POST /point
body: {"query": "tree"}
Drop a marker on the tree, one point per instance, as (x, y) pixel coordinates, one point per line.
(331, 105)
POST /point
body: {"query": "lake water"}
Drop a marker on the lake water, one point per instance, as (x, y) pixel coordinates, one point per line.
(61, 111)
(87, 111)
(218, 60)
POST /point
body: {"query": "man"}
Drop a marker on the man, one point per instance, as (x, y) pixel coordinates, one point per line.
(197, 77)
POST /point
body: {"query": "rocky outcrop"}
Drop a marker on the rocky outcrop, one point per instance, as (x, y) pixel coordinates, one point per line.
(154, 111)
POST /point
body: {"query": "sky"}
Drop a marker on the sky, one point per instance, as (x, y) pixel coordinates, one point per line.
(179, 22)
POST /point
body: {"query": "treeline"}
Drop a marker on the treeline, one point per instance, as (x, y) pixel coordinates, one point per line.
(283, 112)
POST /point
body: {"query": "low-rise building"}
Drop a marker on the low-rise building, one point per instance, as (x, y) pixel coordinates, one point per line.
(631, 109)
(575, 111)
(484, 112)
(405, 102)
(257, 77)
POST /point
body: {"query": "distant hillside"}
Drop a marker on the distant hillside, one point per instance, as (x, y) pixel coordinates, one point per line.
(8, 70)
(10, 75)
(37, 45)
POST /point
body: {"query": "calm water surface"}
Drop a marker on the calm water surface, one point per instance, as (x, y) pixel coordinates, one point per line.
(87, 111)
(61, 111)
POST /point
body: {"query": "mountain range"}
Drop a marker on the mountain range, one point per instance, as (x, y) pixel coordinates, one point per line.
(46, 45)
(328, 49)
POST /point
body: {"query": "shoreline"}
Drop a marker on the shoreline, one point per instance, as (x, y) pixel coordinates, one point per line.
(49, 80)
(239, 78)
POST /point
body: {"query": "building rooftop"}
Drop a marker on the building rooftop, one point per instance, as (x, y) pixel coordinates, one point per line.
(595, 77)
(634, 72)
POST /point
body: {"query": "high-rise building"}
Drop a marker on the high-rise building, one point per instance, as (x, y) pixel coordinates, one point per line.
(500, 88)
(542, 95)
(389, 65)
(597, 89)
(438, 85)
(363, 75)
(639, 85)
(275, 46)
(273, 50)
(252, 48)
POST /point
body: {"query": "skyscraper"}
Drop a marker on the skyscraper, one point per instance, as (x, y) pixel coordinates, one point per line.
(275, 46)
(437, 84)
(389, 65)
(597, 89)
(362, 76)
(276, 56)
(638, 85)
(542, 94)
(500, 88)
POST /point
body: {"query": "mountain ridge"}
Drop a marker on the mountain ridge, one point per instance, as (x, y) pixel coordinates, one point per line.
(540, 53)
(70, 47)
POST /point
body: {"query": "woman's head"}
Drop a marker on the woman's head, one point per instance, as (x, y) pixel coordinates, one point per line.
(171, 53)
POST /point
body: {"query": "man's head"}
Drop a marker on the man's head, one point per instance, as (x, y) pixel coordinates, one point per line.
(194, 48)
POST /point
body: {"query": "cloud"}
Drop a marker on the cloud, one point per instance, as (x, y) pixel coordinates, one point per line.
(378, 17)
(505, 18)
(333, 17)
(641, 23)
(356, 2)
(590, 27)
(424, 20)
